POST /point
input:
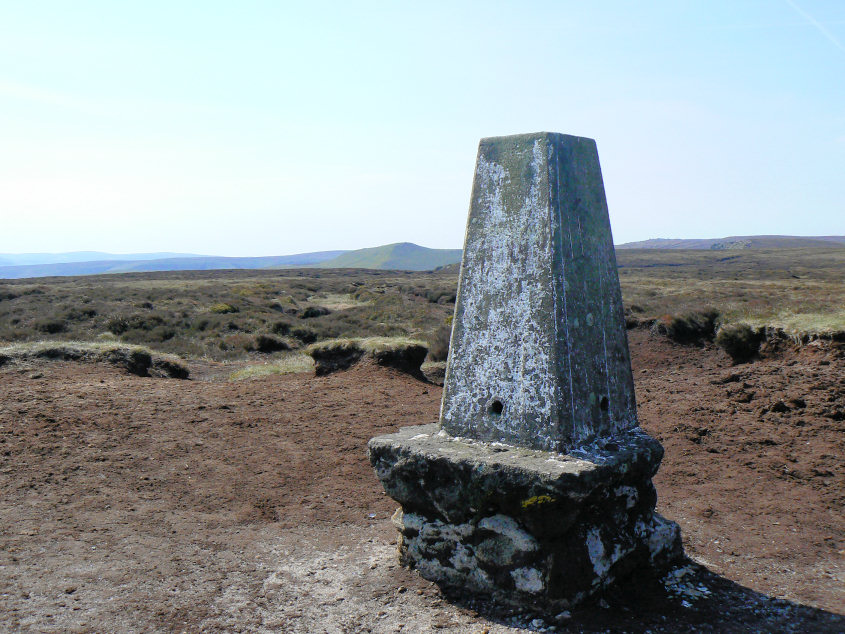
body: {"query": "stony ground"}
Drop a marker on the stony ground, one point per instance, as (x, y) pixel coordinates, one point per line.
(135, 504)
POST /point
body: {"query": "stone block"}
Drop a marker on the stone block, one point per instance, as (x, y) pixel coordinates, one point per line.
(524, 526)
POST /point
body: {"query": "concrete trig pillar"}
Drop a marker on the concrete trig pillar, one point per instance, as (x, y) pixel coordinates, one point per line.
(535, 489)
(539, 354)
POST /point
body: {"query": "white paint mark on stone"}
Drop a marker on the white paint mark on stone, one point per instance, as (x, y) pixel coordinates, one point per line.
(528, 580)
(508, 527)
(462, 559)
(412, 521)
(663, 534)
(630, 493)
(602, 560)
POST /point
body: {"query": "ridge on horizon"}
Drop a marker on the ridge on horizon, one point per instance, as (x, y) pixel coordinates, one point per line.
(738, 242)
(406, 256)
(398, 255)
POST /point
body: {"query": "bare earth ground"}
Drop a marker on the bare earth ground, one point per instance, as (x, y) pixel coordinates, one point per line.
(137, 504)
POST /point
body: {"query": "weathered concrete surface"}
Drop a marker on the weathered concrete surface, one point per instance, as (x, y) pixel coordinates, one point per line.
(524, 526)
(463, 478)
(539, 354)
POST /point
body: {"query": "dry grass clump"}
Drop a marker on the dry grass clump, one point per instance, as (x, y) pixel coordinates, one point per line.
(740, 341)
(337, 301)
(135, 359)
(269, 343)
(294, 363)
(314, 311)
(689, 327)
(50, 326)
(798, 324)
(364, 344)
(222, 308)
(438, 343)
(339, 354)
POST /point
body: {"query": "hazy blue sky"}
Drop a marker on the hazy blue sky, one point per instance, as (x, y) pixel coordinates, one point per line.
(256, 128)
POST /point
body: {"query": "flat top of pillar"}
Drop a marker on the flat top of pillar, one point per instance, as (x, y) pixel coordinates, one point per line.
(533, 136)
(587, 465)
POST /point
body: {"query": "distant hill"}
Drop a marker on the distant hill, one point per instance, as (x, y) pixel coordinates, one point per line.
(739, 242)
(18, 259)
(403, 256)
(196, 263)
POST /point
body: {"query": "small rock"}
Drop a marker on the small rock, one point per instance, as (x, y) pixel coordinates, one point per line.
(779, 407)
(744, 397)
(603, 604)
(564, 616)
(728, 378)
(70, 589)
(538, 623)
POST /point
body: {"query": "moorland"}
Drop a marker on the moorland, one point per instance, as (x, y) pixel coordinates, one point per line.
(271, 314)
(242, 499)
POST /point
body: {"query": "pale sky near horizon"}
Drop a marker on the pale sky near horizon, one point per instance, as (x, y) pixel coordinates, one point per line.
(265, 128)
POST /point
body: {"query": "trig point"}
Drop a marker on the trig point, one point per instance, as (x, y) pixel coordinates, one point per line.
(539, 351)
(535, 489)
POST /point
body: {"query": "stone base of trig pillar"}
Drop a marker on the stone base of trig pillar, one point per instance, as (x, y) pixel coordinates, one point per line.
(535, 489)
(522, 526)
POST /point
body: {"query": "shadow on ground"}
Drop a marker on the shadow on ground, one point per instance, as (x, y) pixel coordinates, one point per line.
(689, 598)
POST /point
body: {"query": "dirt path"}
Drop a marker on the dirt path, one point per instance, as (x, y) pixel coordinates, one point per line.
(133, 504)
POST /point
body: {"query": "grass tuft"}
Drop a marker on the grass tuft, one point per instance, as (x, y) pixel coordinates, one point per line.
(222, 308)
(689, 327)
(438, 343)
(740, 341)
(135, 359)
(269, 343)
(369, 345)
(339, 354)
(292, 364)
(821, 324)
